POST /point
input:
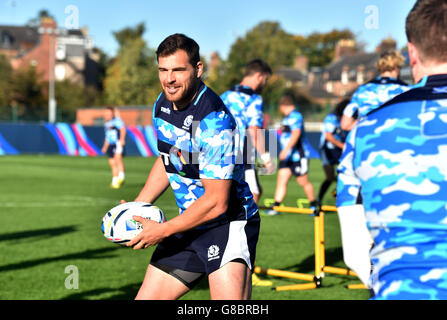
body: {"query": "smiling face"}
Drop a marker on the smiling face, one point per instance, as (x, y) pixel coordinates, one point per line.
(179, 79)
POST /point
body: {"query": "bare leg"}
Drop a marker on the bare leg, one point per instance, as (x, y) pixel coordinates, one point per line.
(308, 188)
(113, 167)
(231, 282)
(284, 175)
(158, 285)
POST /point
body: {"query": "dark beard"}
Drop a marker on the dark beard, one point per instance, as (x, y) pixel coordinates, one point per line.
(189, 95)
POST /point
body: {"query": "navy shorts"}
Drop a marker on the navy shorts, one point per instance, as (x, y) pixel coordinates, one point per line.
(207, 250)
(114, 149)
(298, 168)
(330, 157)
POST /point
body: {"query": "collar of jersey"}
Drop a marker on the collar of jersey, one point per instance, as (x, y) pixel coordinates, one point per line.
(245, 89)
(437, 80)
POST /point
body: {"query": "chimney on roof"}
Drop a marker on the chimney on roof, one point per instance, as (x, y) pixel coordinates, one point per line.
(345, 47)
(47, 22)
(386, 44)
(301, 64)
(214, 60)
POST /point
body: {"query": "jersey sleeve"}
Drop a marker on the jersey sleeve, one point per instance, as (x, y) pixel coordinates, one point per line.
(255, 112)
(296, 121)
(352, 106)
(216, 139)
(330, 123)
(348, 184)
(119, 123)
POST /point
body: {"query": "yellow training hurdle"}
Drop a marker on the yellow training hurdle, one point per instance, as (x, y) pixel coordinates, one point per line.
(314, 281)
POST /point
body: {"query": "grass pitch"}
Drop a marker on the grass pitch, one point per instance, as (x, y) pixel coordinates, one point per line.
(50, 215)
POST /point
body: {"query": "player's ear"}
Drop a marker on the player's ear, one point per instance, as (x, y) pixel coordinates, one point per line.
(413, 54)
(199, 69)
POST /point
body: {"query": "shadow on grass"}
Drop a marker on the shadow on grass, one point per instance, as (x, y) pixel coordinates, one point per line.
(41, 233)
(332, 257)
(89, 254)
(127, 292)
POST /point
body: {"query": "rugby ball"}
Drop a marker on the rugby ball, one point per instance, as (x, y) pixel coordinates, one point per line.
(118, 225)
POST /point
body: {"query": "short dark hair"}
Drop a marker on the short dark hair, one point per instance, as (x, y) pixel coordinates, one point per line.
(176, 42)
(286, 100)
(340, 107)
(257, 65)
(426, 28)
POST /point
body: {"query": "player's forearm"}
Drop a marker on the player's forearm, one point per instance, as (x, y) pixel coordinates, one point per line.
(257, 139)
(293, 140)
(205, 209)
(123, 136)
(156, 183)
(330, 137)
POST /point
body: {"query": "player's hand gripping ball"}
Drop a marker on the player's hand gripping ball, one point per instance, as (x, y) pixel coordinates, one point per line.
(118, 225)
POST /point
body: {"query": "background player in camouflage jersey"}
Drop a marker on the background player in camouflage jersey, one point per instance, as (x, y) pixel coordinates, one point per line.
(246, 105)
(294, 154)
(376, 92)
(115, 137)
(395, 159)
(332, 142)
(217, 230)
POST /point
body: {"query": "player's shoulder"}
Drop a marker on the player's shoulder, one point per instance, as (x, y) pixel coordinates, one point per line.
(295, 114)
(424, 91)
(331, 117)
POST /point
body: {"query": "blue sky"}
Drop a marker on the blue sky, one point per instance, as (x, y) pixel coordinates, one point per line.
(215, 25)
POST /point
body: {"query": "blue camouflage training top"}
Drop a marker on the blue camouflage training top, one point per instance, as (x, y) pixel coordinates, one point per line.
(294, 121)
(331, 124)
(247, 108)
(373, 94)
(199, 142)
(396, 160)
(112, 130)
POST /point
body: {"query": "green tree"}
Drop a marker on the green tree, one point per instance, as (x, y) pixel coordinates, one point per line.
(28, 94)
(320, 47)
(5, 81)
(35, 22)
(267, 41)
(132, 77)
(5, 88)
(70, 96)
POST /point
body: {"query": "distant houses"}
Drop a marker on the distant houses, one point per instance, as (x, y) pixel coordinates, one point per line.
(337, 81)
(69, 51)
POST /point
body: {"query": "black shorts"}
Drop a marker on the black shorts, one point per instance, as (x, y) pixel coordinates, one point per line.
(330, 157)
(298, 168)
(204, 251)
(114, 149)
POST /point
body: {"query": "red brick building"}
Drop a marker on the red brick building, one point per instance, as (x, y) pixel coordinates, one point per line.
(68, 53)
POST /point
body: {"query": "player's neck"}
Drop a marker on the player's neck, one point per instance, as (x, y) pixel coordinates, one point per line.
(428, 70)
(249, 82)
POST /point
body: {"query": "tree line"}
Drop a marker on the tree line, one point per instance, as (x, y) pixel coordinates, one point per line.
(131, 77)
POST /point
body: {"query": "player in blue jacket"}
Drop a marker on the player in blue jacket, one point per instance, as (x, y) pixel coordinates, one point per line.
(376, 92)
(216, 231)
(294, 154)
(332, 142)
(395, 161)
(245, 103)
(114, 142)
